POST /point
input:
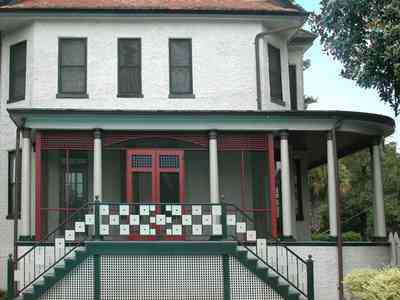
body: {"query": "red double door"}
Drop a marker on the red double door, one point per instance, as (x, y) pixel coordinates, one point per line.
(155, 176)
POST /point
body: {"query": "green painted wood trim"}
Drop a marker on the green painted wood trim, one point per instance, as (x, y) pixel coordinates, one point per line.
(97, 276)
(161, 248)
(10, 278)
(227, 280)
(310, 278)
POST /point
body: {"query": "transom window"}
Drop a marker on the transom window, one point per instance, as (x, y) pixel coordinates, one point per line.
(180, 63)
(275, 74)
(72, 68)
(17, 72)
(129, 68)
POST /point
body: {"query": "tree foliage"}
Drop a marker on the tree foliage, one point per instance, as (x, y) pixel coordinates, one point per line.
(365, 36)
(357, 191)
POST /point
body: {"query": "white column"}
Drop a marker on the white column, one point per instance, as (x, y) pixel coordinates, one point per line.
(97, 165)
(287, 221)
(379, 207)
(213, 160)
(26, 182)
(332, 187)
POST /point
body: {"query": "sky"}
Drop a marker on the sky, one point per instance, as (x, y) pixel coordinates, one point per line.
(323, 80)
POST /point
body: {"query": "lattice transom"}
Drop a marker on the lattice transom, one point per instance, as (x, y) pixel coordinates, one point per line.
(142, 161)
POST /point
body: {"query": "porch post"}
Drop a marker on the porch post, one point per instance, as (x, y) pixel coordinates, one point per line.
(213, 160)
(332, 187)
(379, 207)
(287, 221)
(97, 165)
(26, 182)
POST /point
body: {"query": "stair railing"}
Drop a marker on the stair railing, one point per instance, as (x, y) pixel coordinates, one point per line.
(36, 261)
(274, 254)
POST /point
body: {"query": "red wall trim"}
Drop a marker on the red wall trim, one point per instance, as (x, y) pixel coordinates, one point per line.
(272, 186)
(38, 186)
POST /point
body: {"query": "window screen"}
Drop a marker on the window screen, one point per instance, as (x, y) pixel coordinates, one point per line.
(129, 68)
(275, 73)
(12, 173)
(180, 59)
(17, 72)
(72, 67)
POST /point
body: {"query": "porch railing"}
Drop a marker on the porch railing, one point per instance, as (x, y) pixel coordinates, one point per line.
(164, 221)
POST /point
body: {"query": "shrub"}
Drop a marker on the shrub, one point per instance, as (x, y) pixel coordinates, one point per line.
(351, 236)
(321, 237)
(2, 295)
(381, 284)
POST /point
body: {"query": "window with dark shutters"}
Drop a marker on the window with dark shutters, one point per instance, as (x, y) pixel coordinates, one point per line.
(72, 68)
(275, 74)
(17, 72)
(129, 68)
(180, 64)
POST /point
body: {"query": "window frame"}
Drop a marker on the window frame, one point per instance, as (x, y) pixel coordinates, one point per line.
(12, 167)
(139, 94)
(293, 84)
(12, 74)
(274, 99)
(72, 95)
(189, 94)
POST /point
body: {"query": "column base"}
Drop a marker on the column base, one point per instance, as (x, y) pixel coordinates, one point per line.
(379, 239)
(287, 238)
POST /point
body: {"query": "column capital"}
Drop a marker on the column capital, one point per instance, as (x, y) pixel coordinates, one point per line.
(212, 134)
(26, 133)
(284, 134)
(377, 141)
(97, 133)
(329, 135)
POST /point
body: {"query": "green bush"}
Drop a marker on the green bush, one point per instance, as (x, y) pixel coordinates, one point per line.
(321, 237)
(2, 295)
(351, 236)
(381, 284)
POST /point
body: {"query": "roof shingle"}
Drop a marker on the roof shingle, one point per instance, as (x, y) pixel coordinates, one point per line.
(259, 6)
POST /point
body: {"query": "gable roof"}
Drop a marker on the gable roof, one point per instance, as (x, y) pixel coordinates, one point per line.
(146, 6)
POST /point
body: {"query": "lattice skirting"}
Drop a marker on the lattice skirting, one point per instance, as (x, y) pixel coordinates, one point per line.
(247, 286)
(77, 285)
(161, 277)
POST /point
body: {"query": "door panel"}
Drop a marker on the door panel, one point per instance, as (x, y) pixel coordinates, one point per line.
(155, 176)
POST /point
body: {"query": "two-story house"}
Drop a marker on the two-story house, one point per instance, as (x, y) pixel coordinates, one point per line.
(159, 150)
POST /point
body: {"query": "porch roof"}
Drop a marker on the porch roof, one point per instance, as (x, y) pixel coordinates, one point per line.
(308, 128)
(165, 120)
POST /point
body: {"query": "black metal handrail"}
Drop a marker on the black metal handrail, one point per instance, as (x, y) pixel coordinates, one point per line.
(302, 266)
(32, 255)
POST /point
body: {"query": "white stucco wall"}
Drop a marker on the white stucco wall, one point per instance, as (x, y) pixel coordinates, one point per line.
(223, 63)
(325, 264)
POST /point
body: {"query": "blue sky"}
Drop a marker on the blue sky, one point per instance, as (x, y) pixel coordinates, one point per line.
(323, 80)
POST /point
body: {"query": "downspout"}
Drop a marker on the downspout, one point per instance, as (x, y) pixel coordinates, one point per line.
(257, 40)
(337, 126)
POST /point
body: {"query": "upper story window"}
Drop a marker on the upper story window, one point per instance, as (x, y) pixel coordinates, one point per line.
(293, 87)
(17, 72)
(275, 74)
(180, 68)
(72, 68)
(129, 68)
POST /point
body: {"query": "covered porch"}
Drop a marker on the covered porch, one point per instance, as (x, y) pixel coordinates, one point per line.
(257, 161)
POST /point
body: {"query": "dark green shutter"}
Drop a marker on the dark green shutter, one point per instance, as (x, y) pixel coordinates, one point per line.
(275, 73)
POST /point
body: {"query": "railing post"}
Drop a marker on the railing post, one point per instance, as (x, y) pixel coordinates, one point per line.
(310, 278)
(10, 278)
(223, 221)
(97, 219)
